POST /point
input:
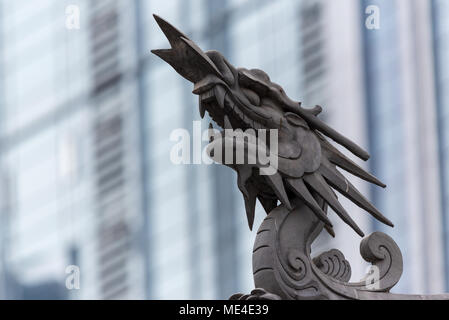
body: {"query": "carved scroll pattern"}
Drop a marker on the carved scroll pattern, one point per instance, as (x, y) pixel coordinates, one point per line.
(334, 264)
(385, 256)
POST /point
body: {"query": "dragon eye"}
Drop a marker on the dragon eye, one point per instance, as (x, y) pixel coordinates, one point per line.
(252, 96)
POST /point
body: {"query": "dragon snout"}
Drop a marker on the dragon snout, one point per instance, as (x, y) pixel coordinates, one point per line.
(216, 81)
(184, 55)
(201, 68)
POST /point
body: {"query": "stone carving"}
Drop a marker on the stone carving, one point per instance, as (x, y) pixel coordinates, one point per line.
(282, 261)
(307, 175)
(334, 264)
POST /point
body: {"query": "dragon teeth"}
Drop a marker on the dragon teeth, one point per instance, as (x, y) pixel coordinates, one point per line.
(252, 123)
(227, 123)
(220, 94)
(241, 115)
(211, 133)
(208, 96)
(238, 112)
(202, 110)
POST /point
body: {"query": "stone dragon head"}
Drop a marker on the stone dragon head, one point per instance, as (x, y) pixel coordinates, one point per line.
(307, 163)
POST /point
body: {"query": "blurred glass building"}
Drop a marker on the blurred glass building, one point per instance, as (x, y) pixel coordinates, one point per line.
(440, 26)
(403, 135)
(86, 122)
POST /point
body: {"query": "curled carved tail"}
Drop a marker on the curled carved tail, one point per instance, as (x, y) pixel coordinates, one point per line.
(282, 262)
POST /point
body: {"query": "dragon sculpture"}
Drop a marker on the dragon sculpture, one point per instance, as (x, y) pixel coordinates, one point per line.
(307, 175)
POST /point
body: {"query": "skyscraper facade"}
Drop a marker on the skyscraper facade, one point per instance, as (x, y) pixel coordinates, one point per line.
(403, 136)
(43, 142)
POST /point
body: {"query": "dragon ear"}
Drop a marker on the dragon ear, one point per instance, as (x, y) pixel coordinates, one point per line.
(296, 120)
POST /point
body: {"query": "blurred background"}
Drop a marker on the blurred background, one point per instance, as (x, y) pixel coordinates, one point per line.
(86, 114)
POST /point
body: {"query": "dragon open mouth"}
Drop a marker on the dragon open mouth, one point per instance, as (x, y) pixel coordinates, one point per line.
(227, 113)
